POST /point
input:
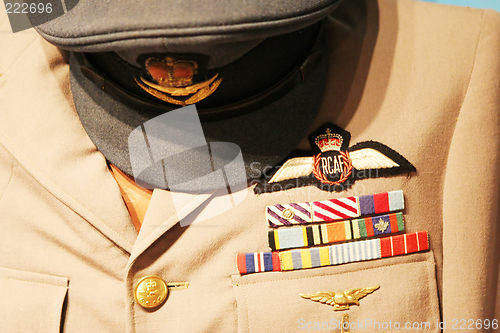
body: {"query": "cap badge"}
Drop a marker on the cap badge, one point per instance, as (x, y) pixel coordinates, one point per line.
(341, 300)
(176, 78)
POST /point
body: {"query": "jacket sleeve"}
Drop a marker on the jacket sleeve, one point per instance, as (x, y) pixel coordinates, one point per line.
(471, 190)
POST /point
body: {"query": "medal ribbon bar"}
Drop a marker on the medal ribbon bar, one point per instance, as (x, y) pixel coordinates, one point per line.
(333, 254)
(327, 233)
(334, 209)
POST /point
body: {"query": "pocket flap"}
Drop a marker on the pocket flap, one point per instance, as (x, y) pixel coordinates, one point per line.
(31, 302)
(271, 301)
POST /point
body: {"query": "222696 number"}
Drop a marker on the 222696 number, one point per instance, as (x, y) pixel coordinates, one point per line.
(25, 8)
(472, 324)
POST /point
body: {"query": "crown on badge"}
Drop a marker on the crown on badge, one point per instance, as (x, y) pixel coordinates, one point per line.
(329, 141)
(170, 72)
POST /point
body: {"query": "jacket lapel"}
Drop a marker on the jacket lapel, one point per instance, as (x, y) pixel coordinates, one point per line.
(41, 129)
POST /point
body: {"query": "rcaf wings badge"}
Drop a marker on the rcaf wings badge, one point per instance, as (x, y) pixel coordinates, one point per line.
(333, 165)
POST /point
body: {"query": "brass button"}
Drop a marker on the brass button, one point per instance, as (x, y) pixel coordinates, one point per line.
(150, 291)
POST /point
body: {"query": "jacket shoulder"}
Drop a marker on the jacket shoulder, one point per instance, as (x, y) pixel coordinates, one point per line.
(12, 45)
(448, 23)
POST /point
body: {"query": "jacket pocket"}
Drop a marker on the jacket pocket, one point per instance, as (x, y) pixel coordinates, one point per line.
(407, 299)
(31, 302)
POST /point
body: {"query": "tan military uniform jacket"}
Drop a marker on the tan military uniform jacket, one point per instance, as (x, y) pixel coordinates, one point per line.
(423, 79)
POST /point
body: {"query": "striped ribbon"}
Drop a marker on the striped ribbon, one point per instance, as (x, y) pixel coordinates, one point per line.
(319, 234)
(334, 254)
(258, 262)
(334, 209)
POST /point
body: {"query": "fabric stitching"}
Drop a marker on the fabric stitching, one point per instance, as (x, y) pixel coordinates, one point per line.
(46, 283)
(246, 309)
(49, 284)
(433, 312)
(57, 324)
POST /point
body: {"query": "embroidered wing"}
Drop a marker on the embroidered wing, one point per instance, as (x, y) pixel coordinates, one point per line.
(369, 158)
(293, 168)
(375, 159)
(358, 293)
(322, 297)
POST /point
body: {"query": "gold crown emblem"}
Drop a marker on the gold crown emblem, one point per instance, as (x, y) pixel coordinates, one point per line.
(329, 141)
(171, 72)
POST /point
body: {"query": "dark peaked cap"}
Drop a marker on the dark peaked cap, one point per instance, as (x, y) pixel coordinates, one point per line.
(176, 26)
(229, 33)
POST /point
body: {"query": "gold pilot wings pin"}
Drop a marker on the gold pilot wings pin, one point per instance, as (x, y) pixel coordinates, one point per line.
(341, 300)
(333, 165)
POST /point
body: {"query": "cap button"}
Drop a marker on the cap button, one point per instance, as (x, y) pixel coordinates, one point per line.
(150, 291)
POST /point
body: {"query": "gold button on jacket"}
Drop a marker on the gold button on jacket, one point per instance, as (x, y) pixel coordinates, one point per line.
(150, 291)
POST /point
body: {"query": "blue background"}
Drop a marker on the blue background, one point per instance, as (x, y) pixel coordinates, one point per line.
(493, 4)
